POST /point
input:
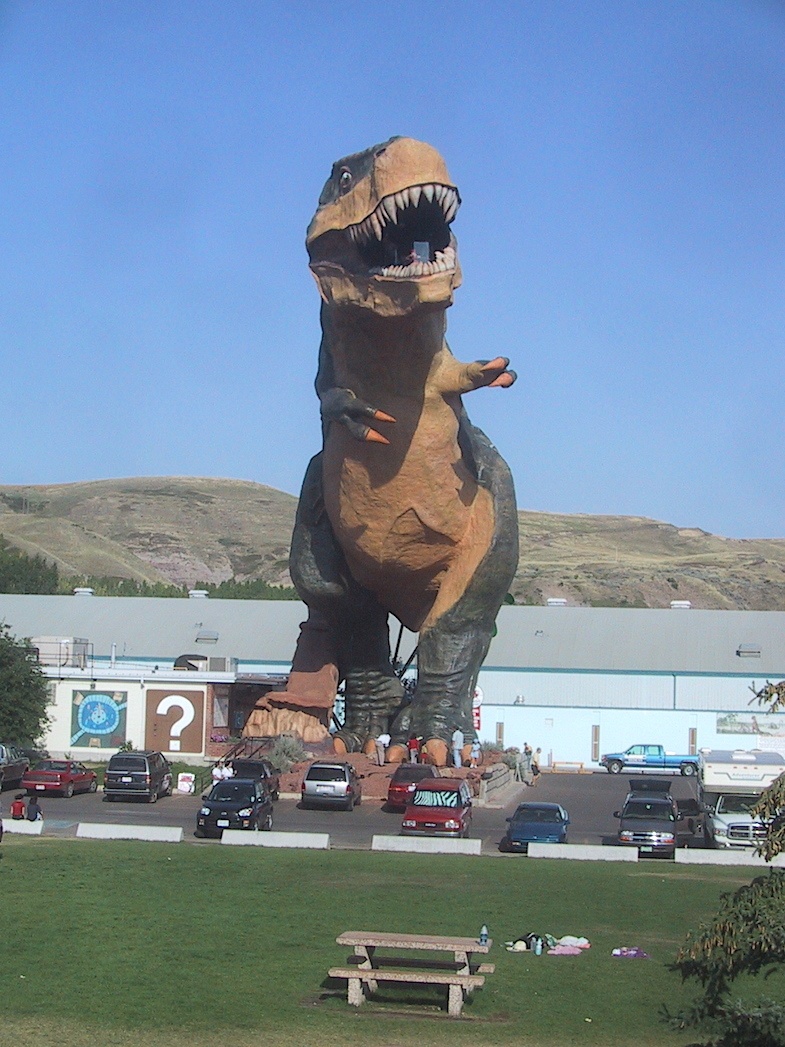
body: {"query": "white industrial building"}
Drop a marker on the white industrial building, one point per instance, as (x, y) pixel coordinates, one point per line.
(576, 682)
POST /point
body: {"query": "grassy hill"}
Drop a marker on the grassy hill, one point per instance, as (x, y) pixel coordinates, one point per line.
(184, 530)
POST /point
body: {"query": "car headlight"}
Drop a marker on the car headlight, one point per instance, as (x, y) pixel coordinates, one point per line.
(246, 812)
(721, 832)
(626, 836)
(410, 823)
(667, 837)
(205, 811)
(452, 824)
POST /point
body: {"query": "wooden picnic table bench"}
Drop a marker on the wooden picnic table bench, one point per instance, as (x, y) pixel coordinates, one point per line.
(461, 975)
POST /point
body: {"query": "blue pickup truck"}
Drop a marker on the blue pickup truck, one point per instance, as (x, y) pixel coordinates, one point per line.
(649, 757)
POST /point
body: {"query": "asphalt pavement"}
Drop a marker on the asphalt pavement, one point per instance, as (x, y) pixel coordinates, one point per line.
(590, 799)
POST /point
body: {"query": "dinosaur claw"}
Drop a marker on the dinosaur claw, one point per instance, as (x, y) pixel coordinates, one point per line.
(380, 416)
(371, 436)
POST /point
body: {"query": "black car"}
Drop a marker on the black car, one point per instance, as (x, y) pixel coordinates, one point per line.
(145, 774)
(235, 803)
(14, 765)
(262, 769)
(649, 818)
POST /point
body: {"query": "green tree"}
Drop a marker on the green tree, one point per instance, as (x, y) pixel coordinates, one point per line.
(24, 693)
(745, 938)
(20, 573)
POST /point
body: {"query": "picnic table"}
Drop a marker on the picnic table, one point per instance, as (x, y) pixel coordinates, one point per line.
(461, 975)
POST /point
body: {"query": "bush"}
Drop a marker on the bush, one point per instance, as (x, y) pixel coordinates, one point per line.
(286, 750)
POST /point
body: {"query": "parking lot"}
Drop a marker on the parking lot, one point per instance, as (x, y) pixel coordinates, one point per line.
(589, 798)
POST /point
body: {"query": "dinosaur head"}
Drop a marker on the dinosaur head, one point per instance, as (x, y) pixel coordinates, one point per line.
(380, 238)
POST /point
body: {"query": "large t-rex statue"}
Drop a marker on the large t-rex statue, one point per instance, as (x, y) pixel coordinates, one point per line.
(408, 509)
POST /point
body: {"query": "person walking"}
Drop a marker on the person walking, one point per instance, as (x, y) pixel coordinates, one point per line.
(457, 747)
(382, 743)
(535, 764)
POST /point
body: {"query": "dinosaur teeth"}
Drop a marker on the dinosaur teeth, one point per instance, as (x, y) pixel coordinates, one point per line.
(428, 191)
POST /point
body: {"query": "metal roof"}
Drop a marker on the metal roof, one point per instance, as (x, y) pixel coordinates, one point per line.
(561, 638)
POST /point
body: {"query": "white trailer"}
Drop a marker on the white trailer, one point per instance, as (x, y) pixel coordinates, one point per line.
(731, 782)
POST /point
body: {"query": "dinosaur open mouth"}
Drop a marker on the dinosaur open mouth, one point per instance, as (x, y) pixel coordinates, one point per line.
(408, 234)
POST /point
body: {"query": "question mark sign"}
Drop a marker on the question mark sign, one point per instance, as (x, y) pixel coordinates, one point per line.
(176, 701)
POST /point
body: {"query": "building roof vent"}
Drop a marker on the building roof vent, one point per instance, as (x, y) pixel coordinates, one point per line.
(207, 636)
(680, 605)
(197, 594)
(748, 650)
(84, 590)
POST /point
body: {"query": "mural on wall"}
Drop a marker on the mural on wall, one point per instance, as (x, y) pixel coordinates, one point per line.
(98, 718)
(175, 721)
(767, 724)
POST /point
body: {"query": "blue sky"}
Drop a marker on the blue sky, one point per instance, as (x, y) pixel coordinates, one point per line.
(622, 236)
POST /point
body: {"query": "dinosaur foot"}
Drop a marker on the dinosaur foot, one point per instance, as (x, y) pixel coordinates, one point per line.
(436, 752)
(396, 754)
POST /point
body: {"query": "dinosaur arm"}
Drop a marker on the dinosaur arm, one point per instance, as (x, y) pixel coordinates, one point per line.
(343, 406)
(456, 377)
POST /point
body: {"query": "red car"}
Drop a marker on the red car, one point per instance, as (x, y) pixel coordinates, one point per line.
(404, 782)
(60, 776)
(442, 807)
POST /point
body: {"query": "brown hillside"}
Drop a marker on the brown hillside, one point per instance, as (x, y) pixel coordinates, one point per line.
(187, 529)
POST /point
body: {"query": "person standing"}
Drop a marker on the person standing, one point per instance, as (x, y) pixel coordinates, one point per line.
(413, 746)
(217, 773)
(474, 758)
(381, 747)
(457, 747)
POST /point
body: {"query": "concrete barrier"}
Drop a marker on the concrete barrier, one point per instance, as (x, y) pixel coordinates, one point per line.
(583, 852)
(495, 782)
(425, 845)
(243, 838)
(23, 827)
(157, 833)
(698, 856)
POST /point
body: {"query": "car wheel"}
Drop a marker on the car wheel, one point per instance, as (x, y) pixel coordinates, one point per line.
(504, 845)
(199, 834)
(152, 798)
(268, 824)
(93, 786)
(349, 805)
(615, 767)
(69, 790)
(108, 798)
(276, 795)
(688, 770)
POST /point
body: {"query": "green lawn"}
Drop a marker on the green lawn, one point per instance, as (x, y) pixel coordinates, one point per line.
(133, 943)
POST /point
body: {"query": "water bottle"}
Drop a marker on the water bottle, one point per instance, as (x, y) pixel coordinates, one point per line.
(483, 935)
(538, 946)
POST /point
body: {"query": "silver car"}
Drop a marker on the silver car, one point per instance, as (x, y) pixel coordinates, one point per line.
(331, 785)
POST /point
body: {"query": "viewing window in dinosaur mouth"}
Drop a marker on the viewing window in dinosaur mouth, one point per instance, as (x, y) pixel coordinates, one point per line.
(409, 233)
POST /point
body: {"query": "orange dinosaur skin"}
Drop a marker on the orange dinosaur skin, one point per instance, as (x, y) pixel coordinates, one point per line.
(409, 509)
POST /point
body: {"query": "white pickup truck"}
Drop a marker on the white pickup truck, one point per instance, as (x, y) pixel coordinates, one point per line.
(731, 782)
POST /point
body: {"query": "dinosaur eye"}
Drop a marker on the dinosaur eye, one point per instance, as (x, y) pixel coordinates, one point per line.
(345, 180)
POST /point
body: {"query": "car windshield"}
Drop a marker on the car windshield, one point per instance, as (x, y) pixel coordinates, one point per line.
(408, 772)
(128, 763)
(640, 809)
(326, 774)
(536, 815)
(436, 798)
(52, 765)
(736, 804)
(230, 790)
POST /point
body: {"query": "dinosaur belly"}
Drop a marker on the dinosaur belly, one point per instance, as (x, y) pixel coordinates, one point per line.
(402, 534)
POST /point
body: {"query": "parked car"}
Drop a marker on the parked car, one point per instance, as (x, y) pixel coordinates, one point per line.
(145, 774)
(404, 782)
(13, 765)
(439, 807)
(649, 818)
(60, 776)
(235, 803)
(262, 770)
(331, 785)
(535, 823)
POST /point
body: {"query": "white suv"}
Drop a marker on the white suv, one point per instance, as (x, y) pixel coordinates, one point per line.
(331, 785)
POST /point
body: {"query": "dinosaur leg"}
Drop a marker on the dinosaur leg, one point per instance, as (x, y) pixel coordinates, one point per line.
(353, 617)
(451, 650)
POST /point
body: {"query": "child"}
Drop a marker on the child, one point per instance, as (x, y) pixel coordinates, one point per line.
(18, 807)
